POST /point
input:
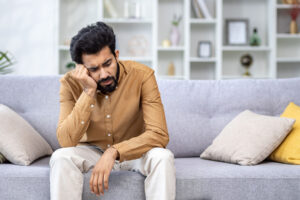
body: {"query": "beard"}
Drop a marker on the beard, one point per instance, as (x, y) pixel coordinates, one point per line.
(111, 87)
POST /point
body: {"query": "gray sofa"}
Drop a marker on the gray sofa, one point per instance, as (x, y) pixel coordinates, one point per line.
(196, 112)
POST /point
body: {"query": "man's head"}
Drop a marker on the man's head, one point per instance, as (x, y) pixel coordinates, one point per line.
(94, 47)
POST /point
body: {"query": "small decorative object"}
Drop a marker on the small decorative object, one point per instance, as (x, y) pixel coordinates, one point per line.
(132, 9)
(255, 40)
(70, 65)
(6, 61)
(67, 42)
(204, 49)
(237, 31)
(291, 1)
(166, 43)
(171, 69)
(246, 61)
(110, 9)
(138, 46)
(175, 35)
(293, 25)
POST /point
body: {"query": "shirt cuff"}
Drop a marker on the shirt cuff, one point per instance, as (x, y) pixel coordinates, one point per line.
(85, 103)
(121, 149)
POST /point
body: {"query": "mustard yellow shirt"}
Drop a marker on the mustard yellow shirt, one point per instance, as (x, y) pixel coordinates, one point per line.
(131, 118)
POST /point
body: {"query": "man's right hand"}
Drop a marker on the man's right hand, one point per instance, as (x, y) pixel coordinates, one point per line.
(82, 75)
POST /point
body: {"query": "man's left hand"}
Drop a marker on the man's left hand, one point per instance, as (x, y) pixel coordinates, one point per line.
(102, 171)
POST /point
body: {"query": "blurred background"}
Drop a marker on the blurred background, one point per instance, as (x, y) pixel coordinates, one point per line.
(179, 39)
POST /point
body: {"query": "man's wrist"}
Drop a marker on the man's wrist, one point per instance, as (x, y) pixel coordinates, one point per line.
(116, 153)
(90, 91)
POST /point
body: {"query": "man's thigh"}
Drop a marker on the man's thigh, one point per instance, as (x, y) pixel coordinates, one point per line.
(83, 156)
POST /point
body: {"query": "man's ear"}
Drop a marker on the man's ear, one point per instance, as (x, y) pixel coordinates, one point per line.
(117, 54)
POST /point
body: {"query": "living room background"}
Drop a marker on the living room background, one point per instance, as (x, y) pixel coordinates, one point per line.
(180, 39)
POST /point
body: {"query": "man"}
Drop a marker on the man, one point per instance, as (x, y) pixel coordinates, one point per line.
(111, 117)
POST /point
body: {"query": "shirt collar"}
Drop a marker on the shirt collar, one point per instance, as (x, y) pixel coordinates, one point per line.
(123, 71)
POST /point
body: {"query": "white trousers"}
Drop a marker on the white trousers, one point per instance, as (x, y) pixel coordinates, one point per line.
(67, 166)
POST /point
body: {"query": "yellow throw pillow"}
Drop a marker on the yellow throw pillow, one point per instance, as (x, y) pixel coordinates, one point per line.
(289, 150)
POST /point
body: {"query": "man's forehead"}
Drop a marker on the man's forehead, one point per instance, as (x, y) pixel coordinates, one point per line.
(96, 61)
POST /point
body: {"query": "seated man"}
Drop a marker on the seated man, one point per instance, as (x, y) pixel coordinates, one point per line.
(111, 117)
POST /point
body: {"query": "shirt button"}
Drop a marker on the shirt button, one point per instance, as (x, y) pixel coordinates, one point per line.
(109, 134)
(82, 122)
(107, 116)
(108, 145)
(106, 96)
(92, 106)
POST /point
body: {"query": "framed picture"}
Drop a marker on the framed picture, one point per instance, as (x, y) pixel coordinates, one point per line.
(237, 31)
(204, 49)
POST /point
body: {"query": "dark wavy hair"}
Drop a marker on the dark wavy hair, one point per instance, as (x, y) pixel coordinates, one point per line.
(91, 39)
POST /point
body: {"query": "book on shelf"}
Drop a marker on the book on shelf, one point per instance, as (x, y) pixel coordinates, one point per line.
(204, 9)
(197, 9)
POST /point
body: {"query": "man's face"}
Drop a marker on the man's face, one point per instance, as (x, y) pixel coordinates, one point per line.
(103, 68)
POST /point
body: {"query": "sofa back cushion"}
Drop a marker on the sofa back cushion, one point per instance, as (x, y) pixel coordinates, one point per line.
(36, 99)
(196, 111)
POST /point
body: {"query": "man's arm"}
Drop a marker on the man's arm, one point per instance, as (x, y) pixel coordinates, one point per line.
(74, 115)
(156, 132)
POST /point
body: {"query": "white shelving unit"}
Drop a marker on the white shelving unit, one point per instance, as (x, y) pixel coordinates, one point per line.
(277, 57)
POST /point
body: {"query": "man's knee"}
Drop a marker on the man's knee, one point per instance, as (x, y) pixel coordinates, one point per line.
(161, 154)
(62, 154)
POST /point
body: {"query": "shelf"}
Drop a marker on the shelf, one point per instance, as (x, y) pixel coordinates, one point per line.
(285, 6)
(202, 21)
(127, 21)
(246, 48)
(288, 60)
(244, 77)
(288, 36)
(138, 59)
(197, 59)
(170, 77)
(172, 48)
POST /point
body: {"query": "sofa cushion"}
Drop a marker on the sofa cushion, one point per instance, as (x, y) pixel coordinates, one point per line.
(198, 110)
(195, 179)
(20, 143)
(248, 139)
(33, 183)
(289, 149)
(206, 179)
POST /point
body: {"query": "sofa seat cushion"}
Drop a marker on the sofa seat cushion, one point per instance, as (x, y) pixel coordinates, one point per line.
(32, 182)
(205, 179)
(196, 179)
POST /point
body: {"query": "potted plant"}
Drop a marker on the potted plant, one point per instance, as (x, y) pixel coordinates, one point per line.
(6, 61)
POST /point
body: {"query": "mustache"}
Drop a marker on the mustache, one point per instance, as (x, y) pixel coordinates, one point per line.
(106, 79)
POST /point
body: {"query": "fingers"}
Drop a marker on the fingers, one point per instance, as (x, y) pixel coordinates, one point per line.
(95, 184)
(106, 179)
(100, 183)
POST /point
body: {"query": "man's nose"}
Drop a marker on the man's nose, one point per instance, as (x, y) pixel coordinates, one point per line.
(103, 74)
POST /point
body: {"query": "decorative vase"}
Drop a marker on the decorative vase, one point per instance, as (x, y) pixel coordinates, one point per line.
(293, 27)
(175, 36)
(171, 69)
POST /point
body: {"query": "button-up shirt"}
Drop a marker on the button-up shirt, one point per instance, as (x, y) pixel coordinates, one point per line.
(130, 119)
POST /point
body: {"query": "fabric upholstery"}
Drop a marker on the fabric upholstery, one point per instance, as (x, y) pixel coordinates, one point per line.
(196, 112)
(196, 179)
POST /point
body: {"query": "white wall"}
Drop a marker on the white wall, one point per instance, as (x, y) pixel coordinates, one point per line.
(28, 31)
